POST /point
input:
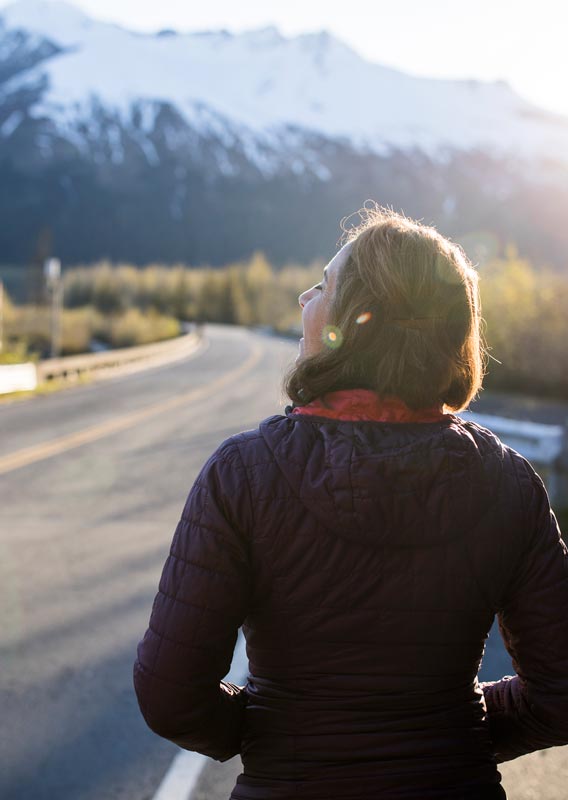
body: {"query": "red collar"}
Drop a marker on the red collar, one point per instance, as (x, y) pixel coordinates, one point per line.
(365, 404)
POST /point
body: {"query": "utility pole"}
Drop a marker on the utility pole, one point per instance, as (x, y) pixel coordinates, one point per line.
(52, 273)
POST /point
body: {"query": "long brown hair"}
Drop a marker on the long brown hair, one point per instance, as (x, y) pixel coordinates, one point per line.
(405, 319)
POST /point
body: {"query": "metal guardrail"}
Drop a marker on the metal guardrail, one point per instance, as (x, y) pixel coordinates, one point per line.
(18, 378)
(25, 377)
(69, 365)
(545, 446)
(534, 440)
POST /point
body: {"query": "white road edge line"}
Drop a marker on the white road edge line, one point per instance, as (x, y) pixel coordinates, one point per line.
(183, 773)
(181, 778)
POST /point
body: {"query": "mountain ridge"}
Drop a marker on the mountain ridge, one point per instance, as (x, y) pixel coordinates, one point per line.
(265, 82)
(203, 147)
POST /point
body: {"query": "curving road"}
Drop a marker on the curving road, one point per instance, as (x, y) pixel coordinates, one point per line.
(86, 522)
(92, 482)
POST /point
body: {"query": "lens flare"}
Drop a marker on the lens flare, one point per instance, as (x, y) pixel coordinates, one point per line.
(364, 317)
(332, 337)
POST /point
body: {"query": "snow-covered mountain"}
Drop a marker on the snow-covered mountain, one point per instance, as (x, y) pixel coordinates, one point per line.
(252, 88)
(132, 145)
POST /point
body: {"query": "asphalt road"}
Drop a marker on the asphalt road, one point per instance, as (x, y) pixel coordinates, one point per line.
(84, 535)
(85, 528)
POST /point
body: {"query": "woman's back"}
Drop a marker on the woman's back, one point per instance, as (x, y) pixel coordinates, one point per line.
(382, 551)
(365, 561)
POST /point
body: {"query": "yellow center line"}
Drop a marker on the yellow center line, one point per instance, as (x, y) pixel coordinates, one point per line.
(29, 455)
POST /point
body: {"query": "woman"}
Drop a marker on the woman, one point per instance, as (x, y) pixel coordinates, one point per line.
(365, 541)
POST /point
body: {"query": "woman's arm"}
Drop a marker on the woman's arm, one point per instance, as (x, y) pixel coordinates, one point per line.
(529, 711)
(203, 599)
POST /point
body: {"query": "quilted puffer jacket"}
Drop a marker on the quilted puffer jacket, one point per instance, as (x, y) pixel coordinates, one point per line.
(365, 551)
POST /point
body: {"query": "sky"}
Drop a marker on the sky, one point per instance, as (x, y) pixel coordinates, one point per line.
(520, 41)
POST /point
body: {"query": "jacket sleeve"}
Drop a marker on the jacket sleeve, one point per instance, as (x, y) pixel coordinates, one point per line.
(202, 600)
(529, 711)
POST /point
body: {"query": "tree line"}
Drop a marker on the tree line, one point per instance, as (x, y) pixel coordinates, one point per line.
(524, 311)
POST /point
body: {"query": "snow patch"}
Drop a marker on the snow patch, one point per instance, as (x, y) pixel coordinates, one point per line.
(244, 88)
(11, 124)
(114, 136)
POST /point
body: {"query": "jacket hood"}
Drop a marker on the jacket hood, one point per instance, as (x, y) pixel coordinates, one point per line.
(388, 482)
